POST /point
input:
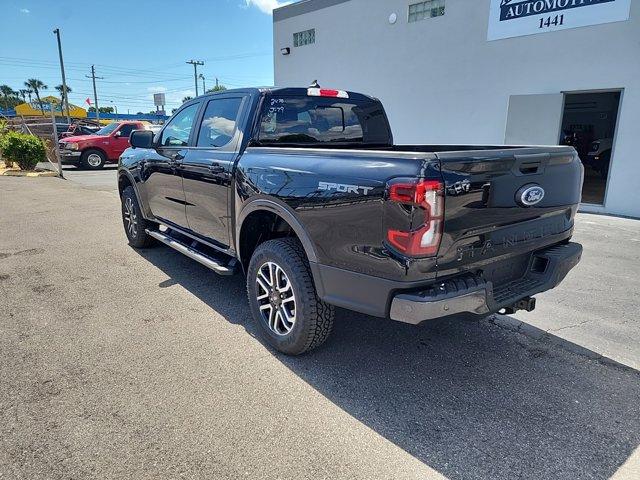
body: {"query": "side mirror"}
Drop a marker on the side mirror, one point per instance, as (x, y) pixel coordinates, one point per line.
(141, 139)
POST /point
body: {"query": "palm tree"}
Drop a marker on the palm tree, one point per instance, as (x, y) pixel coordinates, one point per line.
(63, 95)
(36, 85)
(217, 88)
(23, 94)
(7, 92)
(29, 92)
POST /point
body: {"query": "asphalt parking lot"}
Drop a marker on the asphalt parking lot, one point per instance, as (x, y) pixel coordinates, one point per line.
(116, 363)
(104, 179)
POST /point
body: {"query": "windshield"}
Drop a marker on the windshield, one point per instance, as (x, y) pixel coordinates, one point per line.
(108, 130)
(307, 120)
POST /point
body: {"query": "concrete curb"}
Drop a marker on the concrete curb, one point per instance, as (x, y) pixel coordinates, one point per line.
(540, 335)
(20, 173)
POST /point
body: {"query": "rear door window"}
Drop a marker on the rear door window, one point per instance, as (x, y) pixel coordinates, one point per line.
(219, 122)
(302, 120)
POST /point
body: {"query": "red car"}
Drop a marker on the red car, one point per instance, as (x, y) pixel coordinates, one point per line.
(94, 151)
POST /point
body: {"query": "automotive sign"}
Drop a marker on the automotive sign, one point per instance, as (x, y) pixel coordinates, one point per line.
(515, 18)
(159, 99)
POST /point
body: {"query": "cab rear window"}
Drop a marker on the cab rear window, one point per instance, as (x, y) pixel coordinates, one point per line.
(306, 120)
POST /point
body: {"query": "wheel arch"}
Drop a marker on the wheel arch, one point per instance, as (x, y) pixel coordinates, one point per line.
(101, 150)
(280, 211)
(125, 179)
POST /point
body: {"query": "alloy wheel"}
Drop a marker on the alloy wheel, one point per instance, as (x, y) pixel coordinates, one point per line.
(130, 218)
(276, 299)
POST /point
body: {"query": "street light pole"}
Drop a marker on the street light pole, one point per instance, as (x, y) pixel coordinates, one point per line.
(65, 94)
(195, 64)
(204, 88)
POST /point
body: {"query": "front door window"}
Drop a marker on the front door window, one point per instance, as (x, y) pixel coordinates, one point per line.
(178, 130)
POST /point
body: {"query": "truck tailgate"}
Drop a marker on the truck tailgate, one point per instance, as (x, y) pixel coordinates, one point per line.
(502, 204)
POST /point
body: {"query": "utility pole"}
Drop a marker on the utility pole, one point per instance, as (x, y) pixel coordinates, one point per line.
(216, 83)
(95, 95)
(65, 94)
(54, 137)
(204, 88)
(195, 64)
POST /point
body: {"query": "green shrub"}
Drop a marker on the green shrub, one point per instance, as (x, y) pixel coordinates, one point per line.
(25, 150)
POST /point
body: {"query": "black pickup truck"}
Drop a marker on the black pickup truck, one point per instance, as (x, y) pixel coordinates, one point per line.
(304, 191)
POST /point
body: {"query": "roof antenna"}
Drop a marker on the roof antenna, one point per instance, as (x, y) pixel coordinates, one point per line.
(314, 84)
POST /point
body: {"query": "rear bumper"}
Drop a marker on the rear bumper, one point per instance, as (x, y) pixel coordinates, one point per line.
(415, 302)
(473, 295)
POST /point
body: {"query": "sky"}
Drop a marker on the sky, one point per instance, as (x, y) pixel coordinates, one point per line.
(139, 46)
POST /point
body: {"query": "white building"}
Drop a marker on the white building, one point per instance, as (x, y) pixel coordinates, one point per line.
(485, 72)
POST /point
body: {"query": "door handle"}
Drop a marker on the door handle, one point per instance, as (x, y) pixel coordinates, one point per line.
(175, 160)
(216, 168)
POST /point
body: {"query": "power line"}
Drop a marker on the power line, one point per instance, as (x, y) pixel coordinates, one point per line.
(120, 72)
(132, 71)
(111, 87)
(114, 71)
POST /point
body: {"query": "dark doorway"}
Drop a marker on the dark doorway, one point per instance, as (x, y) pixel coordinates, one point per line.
(589, 124)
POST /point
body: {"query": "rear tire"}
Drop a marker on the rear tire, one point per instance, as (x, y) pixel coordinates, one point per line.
(134, 224)
(93, 159)
(283, 299)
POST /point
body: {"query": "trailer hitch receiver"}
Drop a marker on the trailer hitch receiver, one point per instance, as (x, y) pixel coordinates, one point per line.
(527, 303)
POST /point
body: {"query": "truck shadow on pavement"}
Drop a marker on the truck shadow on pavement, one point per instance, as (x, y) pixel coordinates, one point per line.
(470, 399)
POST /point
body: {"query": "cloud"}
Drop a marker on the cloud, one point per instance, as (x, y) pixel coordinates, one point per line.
(26, 11)
(266, 6)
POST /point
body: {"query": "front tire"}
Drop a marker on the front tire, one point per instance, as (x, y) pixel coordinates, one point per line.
(283, 299)
(135, 225)
(93, 159)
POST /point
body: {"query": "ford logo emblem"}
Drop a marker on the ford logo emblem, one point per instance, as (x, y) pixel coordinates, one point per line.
(530, 195)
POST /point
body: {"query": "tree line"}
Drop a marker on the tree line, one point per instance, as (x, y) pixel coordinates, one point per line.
(33, 88)
(217, 88)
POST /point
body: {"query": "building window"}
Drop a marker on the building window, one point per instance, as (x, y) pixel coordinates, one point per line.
(304, 38)
(428, 9)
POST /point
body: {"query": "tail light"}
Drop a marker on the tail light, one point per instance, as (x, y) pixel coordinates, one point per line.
(426, 199)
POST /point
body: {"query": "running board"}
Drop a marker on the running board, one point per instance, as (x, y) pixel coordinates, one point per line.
(214, 264)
